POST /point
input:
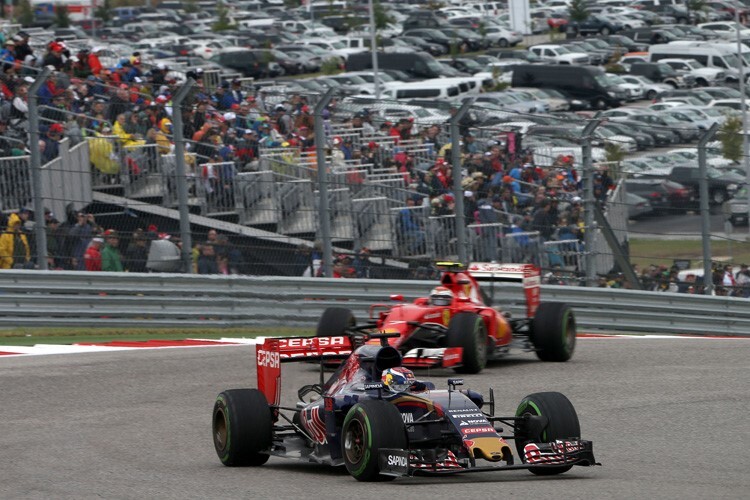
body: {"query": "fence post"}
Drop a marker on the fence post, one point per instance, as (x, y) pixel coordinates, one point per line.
(708, 282)
(323, 212)
(588, 200)
(40, 233)
(182, 189)
(457, 190)
(374, 49)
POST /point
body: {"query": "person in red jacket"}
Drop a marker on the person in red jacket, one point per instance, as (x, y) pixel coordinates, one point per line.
(93, 256)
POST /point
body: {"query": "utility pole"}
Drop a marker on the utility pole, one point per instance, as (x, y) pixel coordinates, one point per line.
(40, 230)
(374, 50)
(182, 189)
(457, 190)
(708, 284)
(324, 215)
(743, 101)
(589, 202)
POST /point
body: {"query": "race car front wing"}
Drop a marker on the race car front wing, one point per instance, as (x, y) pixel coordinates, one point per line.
(425, 357)
(400, 462)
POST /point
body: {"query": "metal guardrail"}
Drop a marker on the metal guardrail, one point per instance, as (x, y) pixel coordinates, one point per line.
(60, 298)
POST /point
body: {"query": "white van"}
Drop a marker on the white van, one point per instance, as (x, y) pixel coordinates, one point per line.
(722, 56)
(437, 88)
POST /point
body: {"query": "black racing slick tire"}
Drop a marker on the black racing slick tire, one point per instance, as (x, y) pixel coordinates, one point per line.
(370, 426)
(242, 427)
(562, 423)
(335, 321)
(468, 331)
(553, 331)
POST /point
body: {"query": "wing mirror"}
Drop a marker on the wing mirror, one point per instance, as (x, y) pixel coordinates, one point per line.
(397, 297)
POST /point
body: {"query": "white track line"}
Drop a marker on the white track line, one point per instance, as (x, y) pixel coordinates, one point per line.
(44, 349)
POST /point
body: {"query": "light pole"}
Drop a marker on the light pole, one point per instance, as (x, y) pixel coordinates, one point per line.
(745, 145)
(374, 50)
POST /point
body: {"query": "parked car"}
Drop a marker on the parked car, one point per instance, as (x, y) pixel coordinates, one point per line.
(559, 54)
(638, 206)
(662, 73)
(248, 62)
(666, 197)
(649, 88)
(721, 185)
(643, 141)
(686, 132)
(592, 25)
(586, 84)
(735, 210)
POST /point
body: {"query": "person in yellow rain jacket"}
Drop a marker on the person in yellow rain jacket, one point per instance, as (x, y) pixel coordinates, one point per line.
(126, 139)
(14, 246)
(163, 144)
(103, 151)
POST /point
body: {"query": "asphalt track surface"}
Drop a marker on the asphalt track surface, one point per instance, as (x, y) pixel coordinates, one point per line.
(668, 418)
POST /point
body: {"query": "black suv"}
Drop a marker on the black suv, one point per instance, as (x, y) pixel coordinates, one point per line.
(250, 63)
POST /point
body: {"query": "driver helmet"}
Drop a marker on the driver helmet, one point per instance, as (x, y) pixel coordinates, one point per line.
(441, 296)
(398, 379)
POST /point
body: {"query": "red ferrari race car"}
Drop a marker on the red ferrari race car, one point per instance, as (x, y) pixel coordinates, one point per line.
(457, 327)
(375, 418)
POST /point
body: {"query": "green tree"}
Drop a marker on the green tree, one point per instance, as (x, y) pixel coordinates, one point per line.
(104, 11)
(382, 18)
(62, 19)
(191, 6)
(222, 14)
(614, 152)
(730, 136)
(331, 66)
(578, 10)
(25, 13)
(695, 6)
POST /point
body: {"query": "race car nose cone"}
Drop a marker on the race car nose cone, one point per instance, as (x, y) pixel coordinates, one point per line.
(489, 448)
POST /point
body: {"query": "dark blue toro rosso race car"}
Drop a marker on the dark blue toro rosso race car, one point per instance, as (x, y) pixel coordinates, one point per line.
(373, 417)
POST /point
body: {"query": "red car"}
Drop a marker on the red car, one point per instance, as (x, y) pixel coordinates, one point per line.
(456, 327)
(557, 21)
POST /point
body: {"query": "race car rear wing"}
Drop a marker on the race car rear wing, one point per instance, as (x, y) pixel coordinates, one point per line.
(528, 274)
(275, 350)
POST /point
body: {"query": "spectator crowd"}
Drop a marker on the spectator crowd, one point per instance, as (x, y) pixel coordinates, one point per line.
(229, 125)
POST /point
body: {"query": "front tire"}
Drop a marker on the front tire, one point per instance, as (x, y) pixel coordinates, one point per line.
(468, 331)
(562, 424)
(604, 31)
(242, 427)
(503, 43)
(335, 322)
(553, 331)
(368, 427)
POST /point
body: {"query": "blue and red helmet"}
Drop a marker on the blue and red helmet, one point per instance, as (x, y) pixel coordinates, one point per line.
(398, 379)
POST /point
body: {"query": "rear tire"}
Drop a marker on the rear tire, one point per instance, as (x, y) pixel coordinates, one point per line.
(562, 424)
(335, 322)
(369, 426)
(242, 427)
(553, 331)
(503, 43)
(468, 331)
(604, 31)
(651, 95)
